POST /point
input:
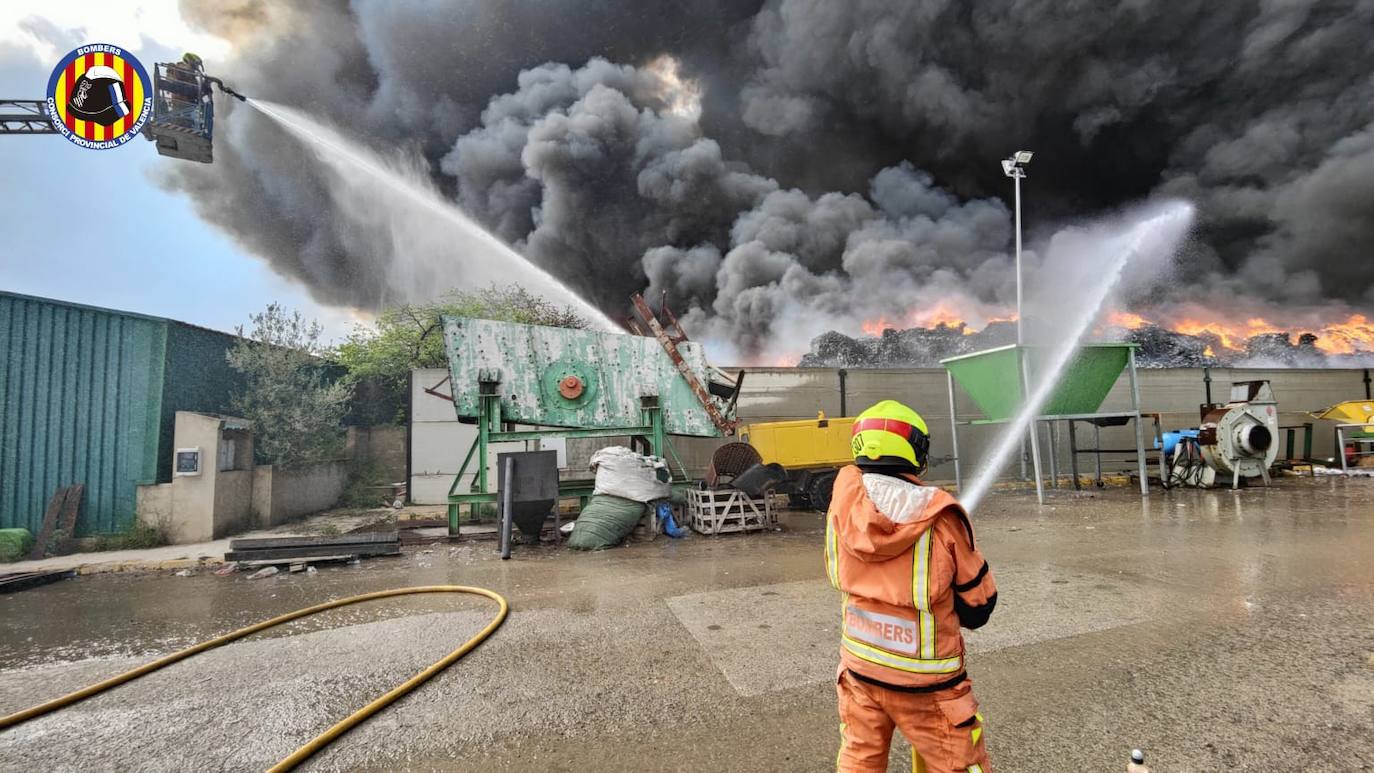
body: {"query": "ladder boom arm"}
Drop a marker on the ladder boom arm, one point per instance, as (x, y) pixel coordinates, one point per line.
(24, 116)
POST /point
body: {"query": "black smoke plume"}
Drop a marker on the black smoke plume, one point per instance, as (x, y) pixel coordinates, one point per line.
(786, 167)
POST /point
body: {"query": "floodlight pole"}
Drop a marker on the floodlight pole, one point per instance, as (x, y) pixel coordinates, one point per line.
(1015, 168)
(1016, 182)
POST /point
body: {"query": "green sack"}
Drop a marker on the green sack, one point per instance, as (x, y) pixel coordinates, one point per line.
(605, 522)
(15, 544)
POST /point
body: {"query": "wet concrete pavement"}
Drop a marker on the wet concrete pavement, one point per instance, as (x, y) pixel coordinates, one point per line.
(1217, 630)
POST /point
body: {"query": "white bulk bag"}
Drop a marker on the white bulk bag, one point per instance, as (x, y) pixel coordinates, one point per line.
(623, 473)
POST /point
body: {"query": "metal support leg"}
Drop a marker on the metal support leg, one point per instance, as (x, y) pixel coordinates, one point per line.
(1340, 449)
(1024, 476)
(1034, 436)
(1159, 443)
(484, 430)
(453, 507)
(507, 505)
(954, 432)
(1073, 455)
(1097, 454)
(1139, 430)
(1052, 432)
(651, 414)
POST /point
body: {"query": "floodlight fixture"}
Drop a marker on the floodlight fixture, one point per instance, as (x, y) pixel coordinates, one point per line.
(1014, 168)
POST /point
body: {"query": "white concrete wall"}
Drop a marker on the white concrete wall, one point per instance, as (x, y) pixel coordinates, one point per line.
(790, 393)
(153, 503)
(282, 494)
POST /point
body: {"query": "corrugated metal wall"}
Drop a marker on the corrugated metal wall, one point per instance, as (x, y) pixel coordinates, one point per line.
(81, 390)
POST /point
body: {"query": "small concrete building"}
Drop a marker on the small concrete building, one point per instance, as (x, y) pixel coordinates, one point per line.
(216, 490)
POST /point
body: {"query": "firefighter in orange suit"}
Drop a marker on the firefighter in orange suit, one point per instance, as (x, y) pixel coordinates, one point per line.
(903, 556)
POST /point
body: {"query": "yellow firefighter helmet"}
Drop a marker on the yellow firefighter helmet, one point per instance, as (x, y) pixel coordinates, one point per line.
(890, 434)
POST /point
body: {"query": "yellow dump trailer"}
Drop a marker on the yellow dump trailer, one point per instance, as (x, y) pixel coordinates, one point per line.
(1351, 412)
(1354, 431)
(811, 450)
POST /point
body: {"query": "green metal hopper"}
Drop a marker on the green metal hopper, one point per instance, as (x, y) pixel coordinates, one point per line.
(996, 379)
(993, 378)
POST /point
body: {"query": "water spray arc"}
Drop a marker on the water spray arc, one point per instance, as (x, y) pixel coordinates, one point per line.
(1159, 233)
(343, 158)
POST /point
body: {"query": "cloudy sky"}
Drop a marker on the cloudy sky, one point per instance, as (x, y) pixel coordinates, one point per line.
(92, 226)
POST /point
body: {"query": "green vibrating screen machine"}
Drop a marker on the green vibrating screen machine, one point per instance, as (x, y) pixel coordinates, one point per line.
(568, 383)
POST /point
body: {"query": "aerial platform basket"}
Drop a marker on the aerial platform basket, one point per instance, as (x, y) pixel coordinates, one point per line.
(183, 120)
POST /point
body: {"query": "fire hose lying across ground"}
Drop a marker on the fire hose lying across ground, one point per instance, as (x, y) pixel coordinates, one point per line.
(347, 723)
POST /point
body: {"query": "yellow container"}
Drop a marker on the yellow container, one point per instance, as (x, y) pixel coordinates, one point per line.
(800, 445)
(1351, 412)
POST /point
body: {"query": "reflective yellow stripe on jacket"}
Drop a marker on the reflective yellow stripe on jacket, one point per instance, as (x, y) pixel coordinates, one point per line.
(920, 594)
(832, 553)
(900, 662)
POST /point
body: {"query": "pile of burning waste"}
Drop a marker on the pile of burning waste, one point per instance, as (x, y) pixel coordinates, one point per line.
(1160, 347)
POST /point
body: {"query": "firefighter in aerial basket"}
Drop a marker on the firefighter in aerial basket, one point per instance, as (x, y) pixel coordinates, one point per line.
(903, 556)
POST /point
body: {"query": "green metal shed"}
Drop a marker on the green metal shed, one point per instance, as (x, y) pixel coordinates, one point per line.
(88, 395)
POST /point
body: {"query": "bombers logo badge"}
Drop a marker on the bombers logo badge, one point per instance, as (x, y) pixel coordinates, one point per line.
(99, 96)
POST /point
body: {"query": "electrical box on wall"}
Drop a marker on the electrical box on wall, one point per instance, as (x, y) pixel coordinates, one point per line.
(187, 461)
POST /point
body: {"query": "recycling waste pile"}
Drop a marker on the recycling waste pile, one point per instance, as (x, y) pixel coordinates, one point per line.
(630, 488)
(635, 491)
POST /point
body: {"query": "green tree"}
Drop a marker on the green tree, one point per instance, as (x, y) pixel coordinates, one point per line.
(296, 409)
(411, 335)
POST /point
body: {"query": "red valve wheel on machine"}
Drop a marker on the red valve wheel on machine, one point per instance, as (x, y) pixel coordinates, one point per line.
(570, 387)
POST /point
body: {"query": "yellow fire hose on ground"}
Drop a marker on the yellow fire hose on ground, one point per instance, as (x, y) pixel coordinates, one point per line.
(329, 736)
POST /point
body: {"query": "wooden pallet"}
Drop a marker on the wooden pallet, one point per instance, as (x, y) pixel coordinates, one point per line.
(724, 511)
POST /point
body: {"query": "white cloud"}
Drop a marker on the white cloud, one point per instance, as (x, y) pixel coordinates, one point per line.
(135, 25)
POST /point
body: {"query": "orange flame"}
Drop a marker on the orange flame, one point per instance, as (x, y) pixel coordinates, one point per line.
(1356, 334)
(1231, 335)
(785, 361)
(1353, 335)
(877, 326)
(1126, 319)
(940, 314)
